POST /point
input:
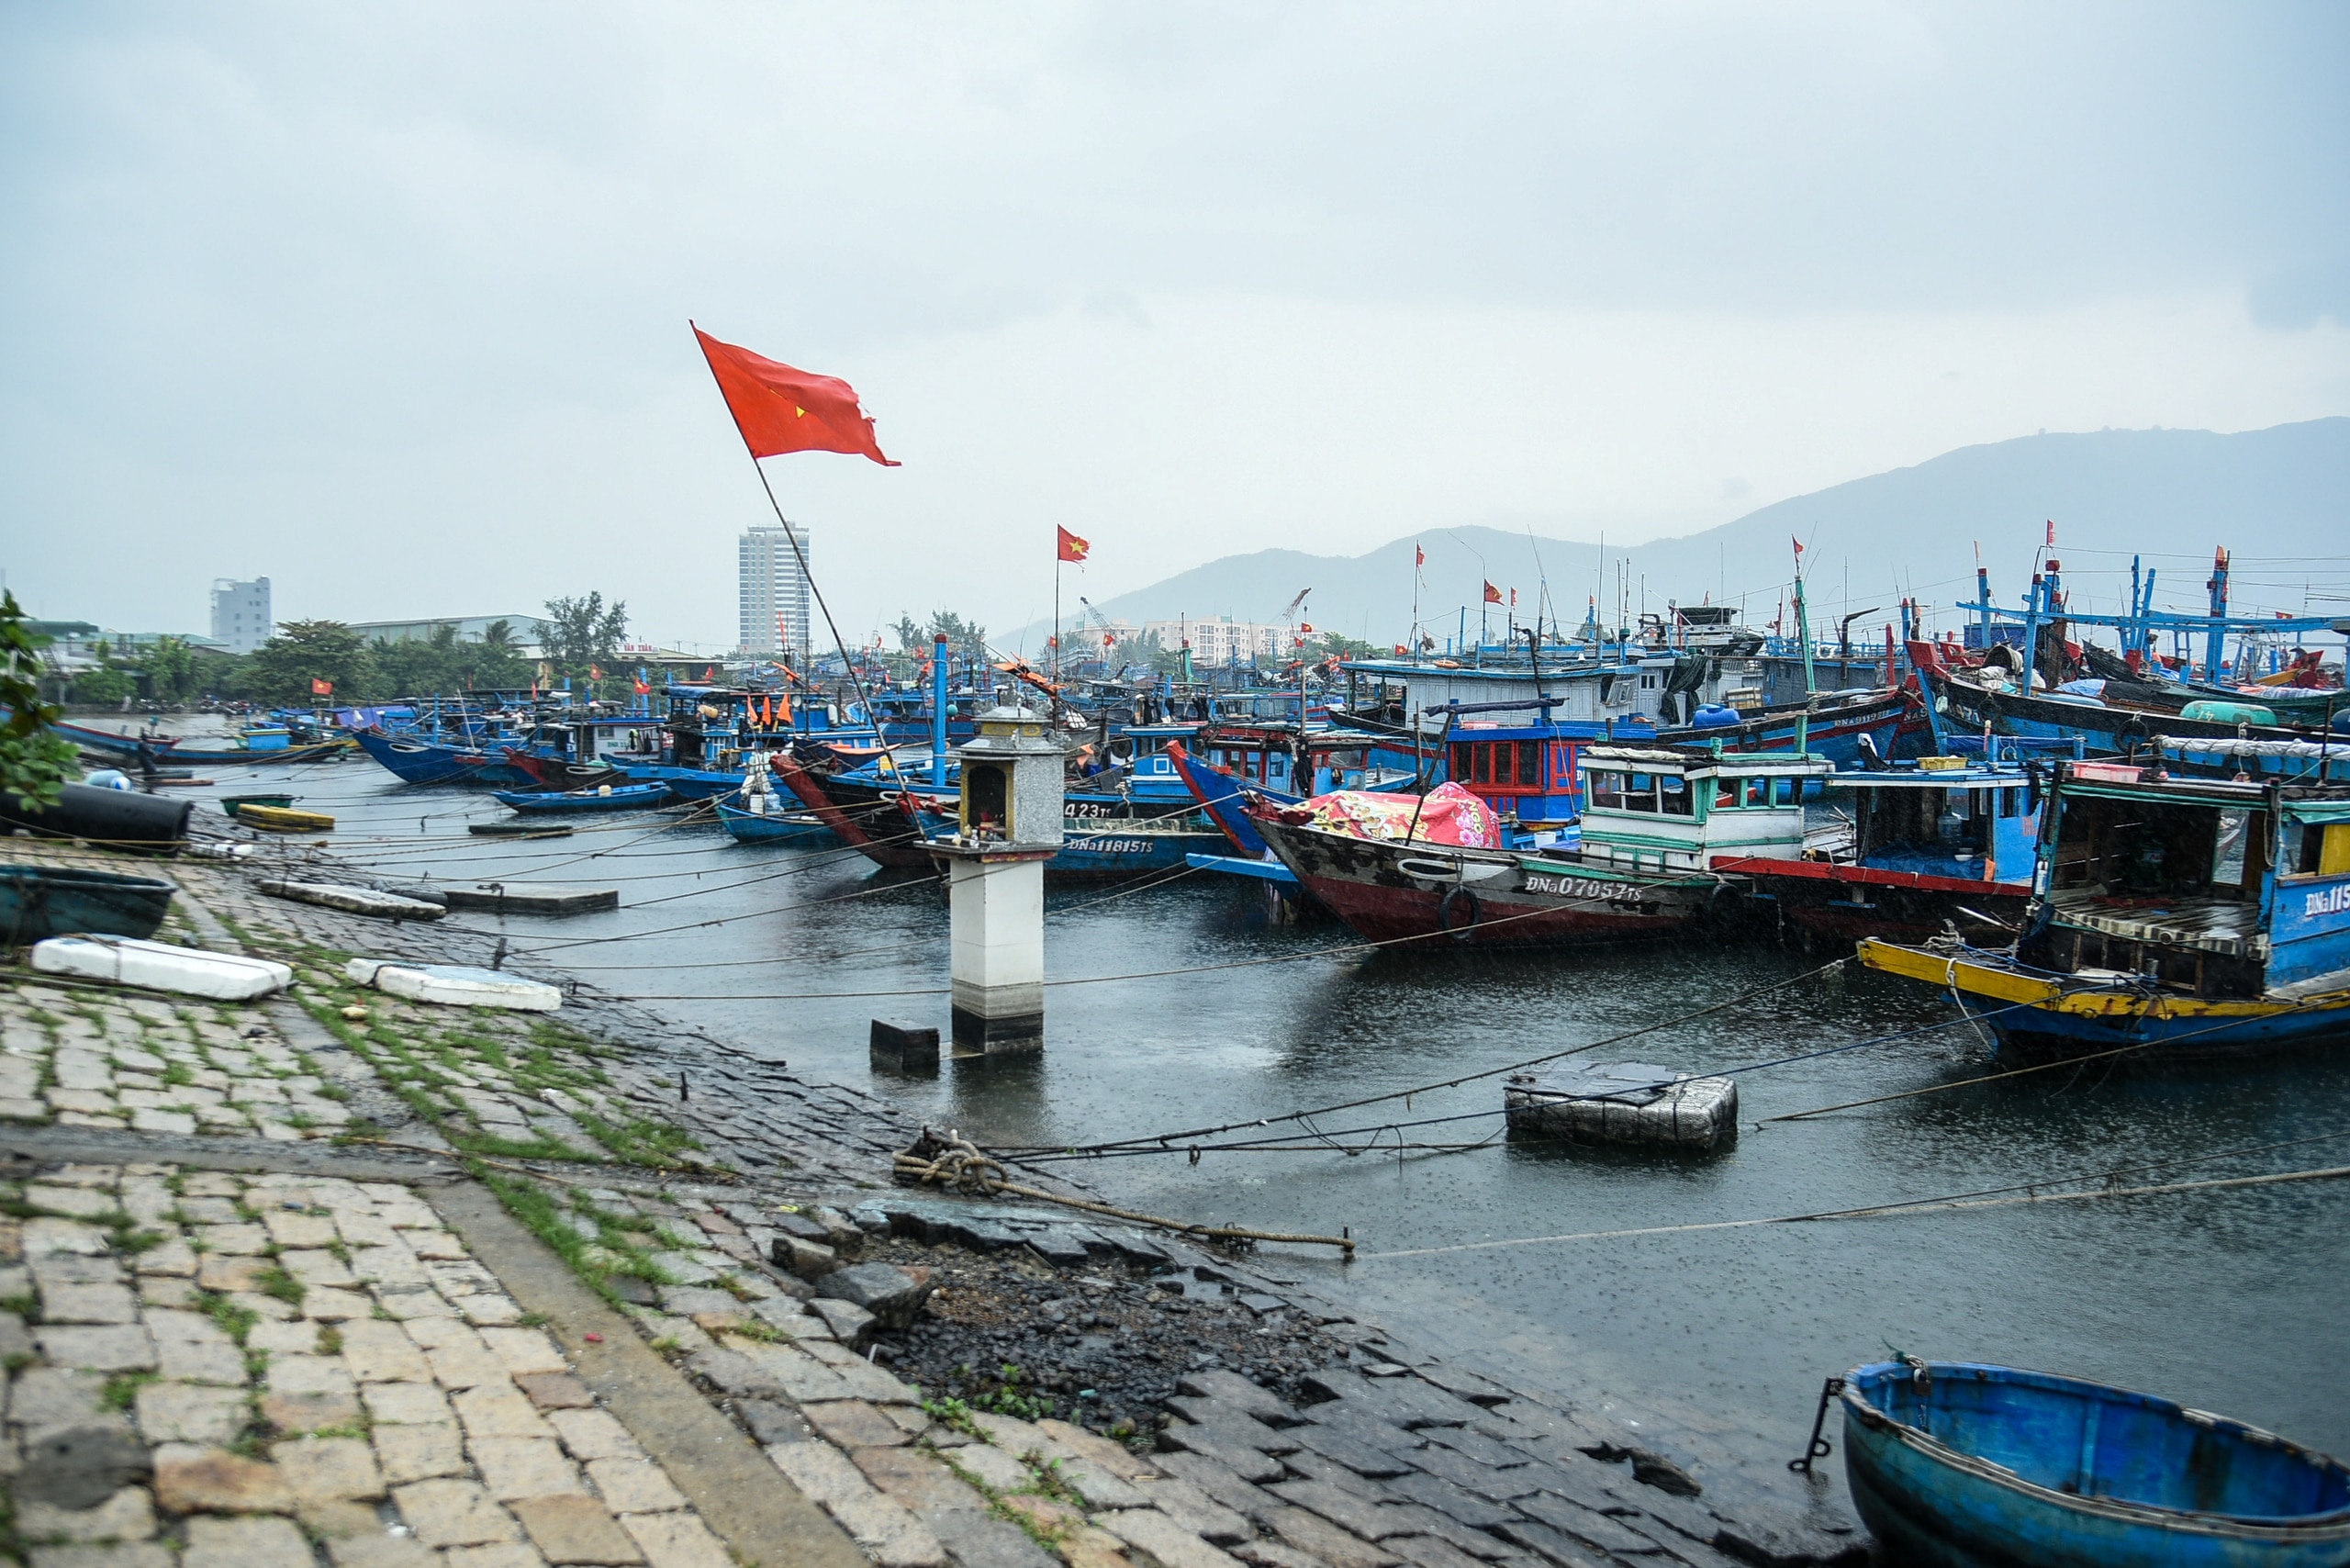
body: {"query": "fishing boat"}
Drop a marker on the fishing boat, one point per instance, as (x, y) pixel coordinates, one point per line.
(531, 828)
(1956, 1464)
(231, 805)
(772, 825)
(2173, 915)
(416, 760)
(1397, 869)
(40, 901)
(607, 798)
(285, 819)
(268, 745)
(876, 824)
(1945, 842)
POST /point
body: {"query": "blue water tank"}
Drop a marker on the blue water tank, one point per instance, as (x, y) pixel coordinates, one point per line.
(1713, 716)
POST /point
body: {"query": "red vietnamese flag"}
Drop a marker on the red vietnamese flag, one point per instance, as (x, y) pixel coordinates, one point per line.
(1071, 547)
(321, 687)
(1493, 594)
(1419, 556)
(781, 410)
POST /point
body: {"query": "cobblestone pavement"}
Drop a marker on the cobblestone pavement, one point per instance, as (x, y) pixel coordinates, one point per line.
(312, 1369)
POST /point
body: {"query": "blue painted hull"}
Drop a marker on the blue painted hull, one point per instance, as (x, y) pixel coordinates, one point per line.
(1834, 732)
(2036, 1034)
(429, 761)
(633, 798)
(40, 901)
(773, 827)
(685, 783)
(1123, 851)
(1988, 1467)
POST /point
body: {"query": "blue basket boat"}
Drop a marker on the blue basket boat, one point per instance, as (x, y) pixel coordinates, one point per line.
(625, 798)
(1961, 1465)
(40, 901)
(775, 826)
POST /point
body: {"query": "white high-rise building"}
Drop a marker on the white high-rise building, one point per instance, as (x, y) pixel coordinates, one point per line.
(774, 599)
(240, 613)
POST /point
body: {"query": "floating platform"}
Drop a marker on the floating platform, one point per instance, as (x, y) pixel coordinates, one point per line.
(1625, 1103)
(520, 830)
(453, 985)
(353, 901)
(513, 900)
(159, 965)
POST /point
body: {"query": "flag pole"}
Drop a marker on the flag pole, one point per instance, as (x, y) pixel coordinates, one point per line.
(801, 556)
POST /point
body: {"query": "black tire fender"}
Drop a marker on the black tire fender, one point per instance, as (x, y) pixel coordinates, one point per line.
(1459, 893)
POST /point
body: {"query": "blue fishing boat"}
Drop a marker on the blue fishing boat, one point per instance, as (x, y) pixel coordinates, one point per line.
(2179, 916)
(772, 826)
(264, 743)
(1954, 1465)
(416, 760)
(40, 901)
(622, 797)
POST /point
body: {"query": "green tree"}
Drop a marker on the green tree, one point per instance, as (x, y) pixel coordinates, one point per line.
(34, 761)
(584, 632)
(303, 651)
(498, 663)
(964, 639)
(171, 670)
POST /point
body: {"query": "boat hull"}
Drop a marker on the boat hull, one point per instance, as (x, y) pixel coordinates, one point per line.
(40, 901)
(773, 827)
(628, 798)
(426, 762)
(1845, 903)
(1402, 892)
(1931, 1502)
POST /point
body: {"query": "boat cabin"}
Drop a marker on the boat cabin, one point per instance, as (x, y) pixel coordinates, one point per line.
(1654, 810)
(2213, 887)
(1266, 756)
(1943, 817)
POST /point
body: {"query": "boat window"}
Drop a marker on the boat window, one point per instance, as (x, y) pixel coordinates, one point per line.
(1480, 764)
(1783, 792)
(1758, 792)
(1606, 788)
(1680, 800)
(1725, 794)
(2227, 851)
(1504, 772)
(1529, 763)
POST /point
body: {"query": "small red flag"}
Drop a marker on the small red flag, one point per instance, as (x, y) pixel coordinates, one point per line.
(1493, 594)
(2052, 533)
(1072, 548)
(1798, 549)
(321, 687)
(781, 410)
(643, 687)
(1419, 556)
(1513, 598)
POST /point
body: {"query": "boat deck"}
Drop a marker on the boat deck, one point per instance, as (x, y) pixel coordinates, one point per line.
(2229, 927)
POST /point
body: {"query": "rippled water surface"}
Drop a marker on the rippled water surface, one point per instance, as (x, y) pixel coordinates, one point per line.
(2226, 1300)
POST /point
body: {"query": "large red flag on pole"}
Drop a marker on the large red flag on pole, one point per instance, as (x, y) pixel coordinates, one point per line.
(1071, 548)
(781, 410)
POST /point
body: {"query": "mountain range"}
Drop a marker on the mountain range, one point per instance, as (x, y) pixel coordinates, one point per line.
(2278, 499)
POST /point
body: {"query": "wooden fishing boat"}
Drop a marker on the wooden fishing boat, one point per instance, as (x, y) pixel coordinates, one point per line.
(2182, 916)
(284, 819)
(772, 826)
(625, 798)
(40, 901)
(232, 804)
(1954, 1465)
(531, 829)
(256, 748)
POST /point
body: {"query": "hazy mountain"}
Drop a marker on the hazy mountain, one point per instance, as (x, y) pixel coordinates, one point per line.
(2278, 499)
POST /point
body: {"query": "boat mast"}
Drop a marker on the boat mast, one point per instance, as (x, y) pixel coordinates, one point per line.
(1803, 631)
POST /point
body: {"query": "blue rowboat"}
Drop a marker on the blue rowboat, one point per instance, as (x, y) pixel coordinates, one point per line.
(776, 826)
(1960, 1465)
(38, 903)
(626, 798)
(416, 761)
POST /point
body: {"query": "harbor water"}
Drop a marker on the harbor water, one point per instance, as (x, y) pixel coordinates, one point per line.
(2227, 1300)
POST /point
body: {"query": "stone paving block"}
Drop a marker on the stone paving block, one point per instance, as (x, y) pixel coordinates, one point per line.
(635, 1486)
(128, 1515)
(1233, 1426)
(376, 1352)
(241, 1239)
(1244, 1462)
(444, 1331)
(54, 1397)
(329, 1469)
(192, 1479)
(381, 1550)
(419, 1452)
(188, 1412)
(79, 1202)
(89, 1305)
(1230, 1388)
(523, 1467)
(331, 1306)
(174, 1259)
(468, 1366)
(214, 1361)
(318, 1268)
(680, 1541)
(454, 1513)
(576, 1529)
(406, 1402)
(524, 1350)
(490, 1309)
(295, 1337)
(179, 1123)
(888, 1532)
(982, 1540)
(123, 1554)
(992, 1467)
(299, 1230)
(1349, 1510)
(1100, 1452)
(852, 1424)
(1196, 1511)
(1447, 1546)
(1173, 1546)
(433, 1243)
(1312, 1533)
(230, 1273)
(594, 1435)
(245, 1543)
(118, 1348)
(500, 1412)
(415, 1304)
(555, 1390)
(1306, 1465)
(1266, 1553)
(920, 1481)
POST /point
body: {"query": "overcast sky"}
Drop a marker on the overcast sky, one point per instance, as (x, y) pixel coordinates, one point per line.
(389, 303)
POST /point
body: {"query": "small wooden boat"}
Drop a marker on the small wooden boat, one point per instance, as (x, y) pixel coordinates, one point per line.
(284, 819)
(518, 830)
(234, 804)
(607, 798)
(773, 825)
(1961, 1465)
(40, 901)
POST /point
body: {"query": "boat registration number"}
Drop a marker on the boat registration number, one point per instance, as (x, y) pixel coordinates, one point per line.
(1093, 846)
(1574, 887)
(1092, 809)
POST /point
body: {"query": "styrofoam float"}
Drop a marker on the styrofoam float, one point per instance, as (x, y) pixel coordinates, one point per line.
(1629, 1102)
(159, 965)
(353, 901)
(453, 985)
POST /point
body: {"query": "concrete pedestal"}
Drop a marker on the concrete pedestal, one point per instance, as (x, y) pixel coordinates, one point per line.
(996, 905)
